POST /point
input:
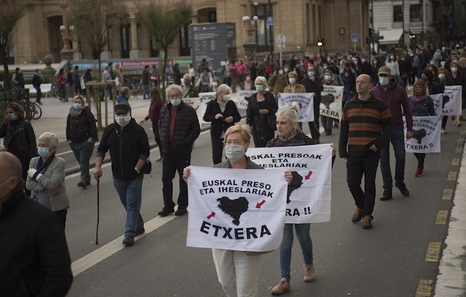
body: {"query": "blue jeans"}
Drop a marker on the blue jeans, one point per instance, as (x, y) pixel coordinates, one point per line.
(83, 152)
(398, 142)
(130, 193)
(145, 92)
(304, 238)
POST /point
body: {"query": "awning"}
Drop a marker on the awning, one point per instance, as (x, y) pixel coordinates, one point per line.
(391, 36)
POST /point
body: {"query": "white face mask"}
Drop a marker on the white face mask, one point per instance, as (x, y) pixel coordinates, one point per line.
(454, 69)
(441, 76)
(215, 84)
(122, 120)
(234, 152)
(280, 72)
(248, 78)
(226, 97)
(292, 80)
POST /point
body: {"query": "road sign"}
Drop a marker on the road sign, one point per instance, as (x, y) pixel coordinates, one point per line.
(280, 38)
(281, 46)
(269, 21)
(354, 37)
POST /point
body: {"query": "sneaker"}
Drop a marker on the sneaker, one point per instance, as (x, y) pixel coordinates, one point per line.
(443, 131)
(140, 231)
(181, 211)
(367, 222)
(128, 240)
(402, 187)
(282, 287)
(165, 212)
(82, 184)
(357, 216)
(418, 172)
(309, 273)
(387, 194)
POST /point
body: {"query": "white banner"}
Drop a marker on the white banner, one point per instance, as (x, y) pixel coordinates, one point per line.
(426, 135)
(241, 97)
(453, 97)
(236, 209)
(198, 105)
(305, 100)
(309, 195)
(437, 99)
(331, 101)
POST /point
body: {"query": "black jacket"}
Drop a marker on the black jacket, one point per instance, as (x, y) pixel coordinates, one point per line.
(36, 80)
(24, 136)
(186, 130)
(314, 87)
(80, 128)
(34, 257)
(219, 126)
(127, 145)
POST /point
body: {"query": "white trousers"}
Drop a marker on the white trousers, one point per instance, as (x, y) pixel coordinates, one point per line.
(237, 272)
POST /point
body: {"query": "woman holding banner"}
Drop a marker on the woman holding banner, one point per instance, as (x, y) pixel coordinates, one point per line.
(421, 105)
(222, 113)
(237, 271)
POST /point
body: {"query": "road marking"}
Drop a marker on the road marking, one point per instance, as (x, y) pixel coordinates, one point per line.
(433, 252)
(111, 248)
(463, 132)
(458, 150)
(447, 194)
(460, 141)
(452, 175)
(455, 161)
(424, 288)
(441, 218)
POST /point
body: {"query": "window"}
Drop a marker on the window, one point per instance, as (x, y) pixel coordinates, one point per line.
(263, 30)
(397, 13)
(415, 13)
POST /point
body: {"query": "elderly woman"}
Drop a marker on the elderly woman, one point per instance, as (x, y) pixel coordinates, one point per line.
(46, 177)
(421, 105)
(261, 113)
(222, 113)
(294, 87)
(81, 134)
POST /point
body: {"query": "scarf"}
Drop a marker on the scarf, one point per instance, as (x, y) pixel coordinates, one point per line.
(288, 138)
(75, 112)
(418, 98)
(42, 166)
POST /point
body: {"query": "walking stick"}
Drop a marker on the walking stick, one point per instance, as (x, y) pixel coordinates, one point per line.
(98, 210)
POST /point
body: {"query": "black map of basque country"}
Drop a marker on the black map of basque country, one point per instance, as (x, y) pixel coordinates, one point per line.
(233, 207)
(419, 134)
(295, 184)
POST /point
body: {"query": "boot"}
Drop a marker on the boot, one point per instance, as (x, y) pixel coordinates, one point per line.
(309, 273)
(282, 287)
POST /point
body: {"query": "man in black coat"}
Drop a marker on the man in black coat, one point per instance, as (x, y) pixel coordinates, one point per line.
(179, 128)
(34, 257)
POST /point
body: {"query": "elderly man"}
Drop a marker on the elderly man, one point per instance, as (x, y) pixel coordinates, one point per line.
(179, 128)
(189, 91)
(397, 100)
(34, 258)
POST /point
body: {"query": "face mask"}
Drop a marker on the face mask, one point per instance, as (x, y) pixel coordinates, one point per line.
(259, 88)
(363, 60)
(412, 55)
(374, 62)
(424, 78)
(455, 61)
(226, 97)
(187, 81)
(286, 70)
(234, 152)
(383, 80)
(441, 76)
(13, 117)
(78, 106)
(43, 152)
(215, 84)
(392, 57)
(248, 78)
(292, 80)
(122, 120)
(175, 102)
(454, 69)
(328, 59)
(355, 61)
(310, 73)
(328, 78)
(280, 72)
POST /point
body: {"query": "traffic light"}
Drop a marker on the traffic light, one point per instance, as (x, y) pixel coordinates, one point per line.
(371, 33)
(368, 40)
(320, 41)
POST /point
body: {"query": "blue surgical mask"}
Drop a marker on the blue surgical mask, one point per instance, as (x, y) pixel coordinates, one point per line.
(43, 152)
(259, 88)
(78, 106)
(310, 73)
(175, 102)
(13, 117)
(383, 80)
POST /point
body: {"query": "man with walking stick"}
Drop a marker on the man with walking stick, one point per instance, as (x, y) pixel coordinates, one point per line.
(129, 150)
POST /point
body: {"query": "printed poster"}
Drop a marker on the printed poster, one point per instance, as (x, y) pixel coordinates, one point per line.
(305, 100)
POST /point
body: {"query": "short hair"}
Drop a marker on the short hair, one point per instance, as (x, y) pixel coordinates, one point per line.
(18, 109)
(76, 67)
(443, 69)
(423, 87)
(263, 80)
(243, 130)
(223, 88)
(79, 97)
(293, 73)
(428, 73)
(290, 111)
(173, 87)
(52, 138)
(124, 91)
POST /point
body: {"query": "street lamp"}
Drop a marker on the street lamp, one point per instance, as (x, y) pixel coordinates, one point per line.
(250, 25)
(66, 36)
(320, 44)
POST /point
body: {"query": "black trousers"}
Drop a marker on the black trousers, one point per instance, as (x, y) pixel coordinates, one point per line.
(172, 164)
(217, 149)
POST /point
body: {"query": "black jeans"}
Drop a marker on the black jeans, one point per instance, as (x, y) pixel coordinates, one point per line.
(155, 129)
(357, 167)
(217, 149)
(172, 164)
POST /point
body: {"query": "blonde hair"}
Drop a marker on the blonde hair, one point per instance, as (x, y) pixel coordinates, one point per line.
(263, 80)
(243, 130)
(290, 111)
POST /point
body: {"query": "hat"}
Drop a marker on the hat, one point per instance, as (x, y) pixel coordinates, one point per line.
(122, 108)
(385, 70)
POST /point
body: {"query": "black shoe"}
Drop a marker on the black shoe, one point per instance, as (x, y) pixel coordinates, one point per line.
(164, 212)
(82, 184)
(140, 231)
(159, 159)
(181, 211)
(128, 240)
(402, 187)
(387, 194)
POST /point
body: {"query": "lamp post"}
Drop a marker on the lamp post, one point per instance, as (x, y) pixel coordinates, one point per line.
(422, 17)
(66, 53)
(320, 44)
(250, 26)
(270, 14)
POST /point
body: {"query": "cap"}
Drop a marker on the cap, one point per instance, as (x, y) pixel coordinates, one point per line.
(385, 70)
(458, 46)
(122, 108)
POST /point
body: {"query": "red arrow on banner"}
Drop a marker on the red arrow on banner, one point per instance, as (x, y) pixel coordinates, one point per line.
(259, 204)
(211, 215)
(308, 176)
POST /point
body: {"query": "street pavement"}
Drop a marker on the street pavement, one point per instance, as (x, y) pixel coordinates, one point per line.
(449, 192)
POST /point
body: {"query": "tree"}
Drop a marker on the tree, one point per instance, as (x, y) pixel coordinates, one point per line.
(164, 24)
(93, 20)
(10, 13)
